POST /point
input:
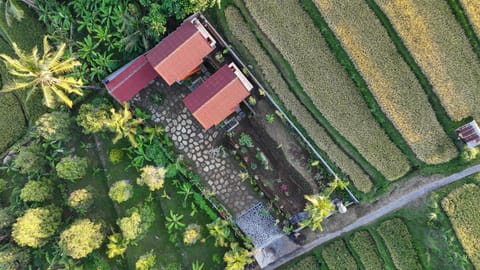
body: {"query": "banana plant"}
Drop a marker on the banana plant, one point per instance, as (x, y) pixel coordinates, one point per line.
(174, 222)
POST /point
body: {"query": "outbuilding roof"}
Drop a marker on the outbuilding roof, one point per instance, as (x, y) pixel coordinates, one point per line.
(182, 51)
(219, 96)
(126, 82)
(470, 134)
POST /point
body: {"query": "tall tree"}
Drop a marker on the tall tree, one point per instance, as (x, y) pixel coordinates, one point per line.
(47, 73)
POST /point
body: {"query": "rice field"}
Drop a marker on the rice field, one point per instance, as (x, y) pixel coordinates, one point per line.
(364, 246)
(271, 74)
(327, 83)
(472, 9)
(461, 206)
(389, 78)
(337, 256)
(440, 47)
(398, 241)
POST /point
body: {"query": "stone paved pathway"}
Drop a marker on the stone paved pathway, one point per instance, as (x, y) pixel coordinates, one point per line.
(219, 171)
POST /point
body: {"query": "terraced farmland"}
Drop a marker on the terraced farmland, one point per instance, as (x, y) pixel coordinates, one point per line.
(366, 249)
(461, 206)
(441, 49)
(337, 256)
(389, 78)
(316, 132)
(472, 9)
(327, 83)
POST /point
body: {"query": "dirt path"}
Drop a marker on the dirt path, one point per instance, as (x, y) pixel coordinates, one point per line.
(367, 213)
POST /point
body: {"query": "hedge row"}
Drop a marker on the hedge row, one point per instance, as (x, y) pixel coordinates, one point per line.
(462, 207)
(316, 132)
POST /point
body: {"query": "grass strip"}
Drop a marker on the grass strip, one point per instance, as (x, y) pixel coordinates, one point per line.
(467, 13)
(373, 56)
(461, 206)
(441, 50)
(241, 32)
(327, 83)
(398, 241)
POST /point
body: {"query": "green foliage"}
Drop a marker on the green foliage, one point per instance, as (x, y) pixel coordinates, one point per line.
(72, 168)
(182, 8)
(3, 184)
(121, 191)
(146, 261)
(30, 159)
(174, 221)
(36, 191)
(202, 203)
(220, 231)
(363, 245)
(14, 258)
(130, 226)
(13, 10)
(36, 226)
(93, 118)
(192, 234)
(152, 177)
(6, 219)
(116, 246)
(81, 238)
(270, 118)
(115, 155)
(319, 207)
(54, 126)
(245, 140)
(461, 206)
(307, 263)
(124, 125)
(398, 240)
(10, 112)
(470, 154)
(80, 200)
(237, 258)
(337, 256)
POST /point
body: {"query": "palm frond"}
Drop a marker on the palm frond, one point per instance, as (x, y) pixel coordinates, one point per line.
(62, 96)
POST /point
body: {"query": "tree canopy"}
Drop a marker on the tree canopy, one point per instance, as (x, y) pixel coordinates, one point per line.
(152, 177)
(30, 159)
(81, 238)
(54, 126)
(121, 191)
(36, 226)
(36, 191)
(80, 200)
(72, 168)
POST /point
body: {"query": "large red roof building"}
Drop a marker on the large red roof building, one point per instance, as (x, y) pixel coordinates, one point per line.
(219, 96)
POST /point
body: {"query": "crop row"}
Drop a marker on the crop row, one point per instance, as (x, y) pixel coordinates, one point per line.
(472, 9)
(389, 78)
(271, 74)
(337, 256)
(364, 246)
(461, 206)
(327, 83)
(398, 241)
(439, 46)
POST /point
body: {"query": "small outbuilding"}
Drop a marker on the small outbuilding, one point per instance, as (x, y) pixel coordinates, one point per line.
(469, 134)
(219, 96)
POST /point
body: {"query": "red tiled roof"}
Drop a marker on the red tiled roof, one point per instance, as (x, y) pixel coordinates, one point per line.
(177, 55)
(469, 133)
(216, 98)
(126, 82)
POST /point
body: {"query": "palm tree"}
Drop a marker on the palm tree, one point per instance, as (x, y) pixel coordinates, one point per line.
(124, 125)
(220, 231)
(12, 11)
(319, 207)
(237, 257)
(46, 73)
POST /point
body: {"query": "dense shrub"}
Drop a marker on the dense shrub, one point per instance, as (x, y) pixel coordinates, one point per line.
(115, 155)
(36, 191)
(30, 159)
(191, 234)
(10, 112)
(130, 226)
(93, 118)
(146, 261)
(72, 168)
(14, 258)
(36, 226)
(6, 219)
(398, 240)
(54, 126)
(462, 208)
(121, 191)
(80, 200)
(469, 154)
(3, 184)
(152, 177)
(337, 256)
(81, 238)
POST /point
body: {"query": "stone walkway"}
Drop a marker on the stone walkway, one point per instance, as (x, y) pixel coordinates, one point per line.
(219, 171)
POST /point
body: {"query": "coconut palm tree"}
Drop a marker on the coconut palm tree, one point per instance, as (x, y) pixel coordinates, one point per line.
(220, 231)
(47, 73)
(13, 10)
(124, 125)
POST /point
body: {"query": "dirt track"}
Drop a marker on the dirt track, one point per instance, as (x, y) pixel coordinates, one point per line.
(367, 213)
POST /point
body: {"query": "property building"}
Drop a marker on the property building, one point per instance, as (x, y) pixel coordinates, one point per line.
(175, 58)
(469, 134)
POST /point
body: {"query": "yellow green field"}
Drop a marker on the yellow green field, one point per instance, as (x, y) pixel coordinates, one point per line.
(389, 78)
(440, 47)
(241, 31)
(472, 9)
(327, 83)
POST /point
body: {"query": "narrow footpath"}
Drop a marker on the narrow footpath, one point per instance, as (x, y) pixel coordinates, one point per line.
(367, 213)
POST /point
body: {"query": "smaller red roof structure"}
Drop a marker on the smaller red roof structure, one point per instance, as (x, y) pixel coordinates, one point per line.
(219, 96)
(182, 51)
(126, 82)
(470, 134)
